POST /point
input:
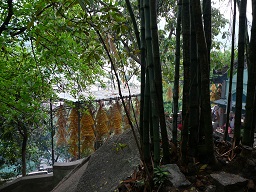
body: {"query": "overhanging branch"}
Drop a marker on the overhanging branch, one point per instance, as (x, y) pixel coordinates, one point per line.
(8, 18)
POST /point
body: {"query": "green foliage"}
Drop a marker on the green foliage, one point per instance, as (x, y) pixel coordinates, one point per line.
(5, 175)
(167, 11)
(119, 146)
(220, 59)
(160, 176)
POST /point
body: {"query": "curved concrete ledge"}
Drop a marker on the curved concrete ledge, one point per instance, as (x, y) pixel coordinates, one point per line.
(32, 183)
(43, 182)
(61, 171)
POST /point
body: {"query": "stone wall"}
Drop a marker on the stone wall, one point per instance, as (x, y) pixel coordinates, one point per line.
(35, 183)
(41, 183)
(60, 170)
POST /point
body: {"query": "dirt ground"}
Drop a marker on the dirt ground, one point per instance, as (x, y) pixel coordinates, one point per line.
(235, 160)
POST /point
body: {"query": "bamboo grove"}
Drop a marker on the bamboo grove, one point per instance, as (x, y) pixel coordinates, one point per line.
(152, 119)
(197, 133)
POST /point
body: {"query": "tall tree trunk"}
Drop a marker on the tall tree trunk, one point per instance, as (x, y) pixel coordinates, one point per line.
(207, 25)
(24, 135)
(153, 95)
(176, 76)
(158, 82)
(240, 71)
(251, 87)
(253, 62)
(143, 68)
(186, 85)
(231, 71)
(146, 123)
(23, 151)
(52, 131)
(208, 36)
(134, 23)
(193, 96)
(205, 81)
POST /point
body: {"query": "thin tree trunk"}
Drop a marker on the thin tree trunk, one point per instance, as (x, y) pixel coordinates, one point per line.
(253, 62)
(176, 76)
(153, 95)
(23, 151)
(146, 124)
(208, 36)
(207, 9)
(193, 96)
(186, 85)
(134, 23)
(248, 137)
(231, 72)
(158, 82)
(52, 131)
(240, 71)
(143, 68)
(24, 134)
(205, 81)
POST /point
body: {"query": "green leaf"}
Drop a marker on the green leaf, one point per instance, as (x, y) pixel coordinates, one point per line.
(203, 167)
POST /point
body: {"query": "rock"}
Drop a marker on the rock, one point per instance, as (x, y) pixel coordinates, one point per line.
(70, 181)
(192, 189)
(226, 182)
(250, 186)
(192, 178)
(113, 162)
(199, 185)
(254, 160)
(177, 178)
(250, 162)
(254, 154)
(210, 188)
(169, 189)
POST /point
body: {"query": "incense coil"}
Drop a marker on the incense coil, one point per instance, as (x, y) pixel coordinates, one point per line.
(87, 123)
(101, 122)
(87, 132)
(137, 105)
(117, 119)
(119, 107)
(88, 143)
(169, 94)
(73, 148)
(61, 127)
(73, 132)
(110, 120)
(61, 140)
(73, 152)
(126, 124)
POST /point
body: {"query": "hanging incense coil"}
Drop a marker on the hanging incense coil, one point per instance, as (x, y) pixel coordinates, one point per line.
(73, 132)
(61, 127)
(87, 131)
(126, 124)
(73, 148)
(137, 107)
(169, 94)
(110, 119)
(86, 124)
(119, 106)
(117, 119)
(101, 123)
